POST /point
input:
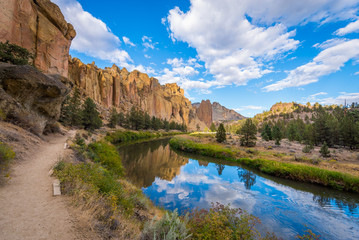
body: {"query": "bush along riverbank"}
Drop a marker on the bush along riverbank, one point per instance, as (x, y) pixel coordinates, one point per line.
(119, 137)
(303, 173)
(114, 208)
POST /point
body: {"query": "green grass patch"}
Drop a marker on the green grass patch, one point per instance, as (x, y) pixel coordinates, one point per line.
(118, 137)
(337, 180)
(6, 156)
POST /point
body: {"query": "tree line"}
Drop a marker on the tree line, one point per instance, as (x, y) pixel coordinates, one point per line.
(85, 115)
(73, 113)
(338, 127)
(137, 119)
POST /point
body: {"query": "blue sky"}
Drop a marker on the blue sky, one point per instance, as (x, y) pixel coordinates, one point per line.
(246, 55)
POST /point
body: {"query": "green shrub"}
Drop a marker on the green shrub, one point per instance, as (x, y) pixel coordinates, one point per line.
(12, 53)
(324, 151)
(307, 148)
(222, 222)
(337, 180)
(170, 227)
(6, 154)
(106, 154)
(2, 115)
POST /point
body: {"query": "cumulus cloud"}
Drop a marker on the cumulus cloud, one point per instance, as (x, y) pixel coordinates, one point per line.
(127, 41)
(237, 38)
(328, 61)
(350, 28)
(181, 72)
(94, 37)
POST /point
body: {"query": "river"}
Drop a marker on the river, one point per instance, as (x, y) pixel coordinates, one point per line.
(175, 180)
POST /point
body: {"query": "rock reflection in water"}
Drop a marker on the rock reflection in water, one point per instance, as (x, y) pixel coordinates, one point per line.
(150, 160)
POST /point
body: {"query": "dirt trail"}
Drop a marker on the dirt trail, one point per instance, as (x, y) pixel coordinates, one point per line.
(27, 208)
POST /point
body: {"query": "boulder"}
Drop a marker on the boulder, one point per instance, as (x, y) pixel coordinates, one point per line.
(30, 98)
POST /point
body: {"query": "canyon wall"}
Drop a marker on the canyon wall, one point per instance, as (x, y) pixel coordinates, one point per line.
(40, 27)
(115, 87)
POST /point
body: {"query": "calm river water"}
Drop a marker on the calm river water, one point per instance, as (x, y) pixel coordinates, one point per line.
(175, 180)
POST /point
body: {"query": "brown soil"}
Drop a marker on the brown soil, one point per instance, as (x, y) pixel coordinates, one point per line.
(28, 208)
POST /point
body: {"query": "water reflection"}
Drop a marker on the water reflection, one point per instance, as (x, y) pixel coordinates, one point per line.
(174, 180)
(148, 160)
(220, 168)
(247, 177)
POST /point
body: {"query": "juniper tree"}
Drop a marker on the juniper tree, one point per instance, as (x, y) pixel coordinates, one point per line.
(213, 127)
(113, 118)
(90, 116)
(248, 132)
(324, 151)
(277, 135)
(221, 133)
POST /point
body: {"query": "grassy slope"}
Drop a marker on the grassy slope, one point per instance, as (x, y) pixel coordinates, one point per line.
(291, 171)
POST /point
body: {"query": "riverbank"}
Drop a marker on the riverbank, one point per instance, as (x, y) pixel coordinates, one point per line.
(250, 157)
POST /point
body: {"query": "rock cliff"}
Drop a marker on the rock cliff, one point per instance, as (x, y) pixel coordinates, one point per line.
(215, 112)
(30, 98)
(115, 87)
(39, 26)
(221, 113)
(204, 112)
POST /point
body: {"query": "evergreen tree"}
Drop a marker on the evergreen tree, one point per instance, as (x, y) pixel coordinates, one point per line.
(12, 53)
(248, 132)
(213, 127)
(166, 125)
(324, 151)
(172, 125)
(277, 135)
(90, 116)
(113, 118)
(147, 124)
(266, 133)
(71, 110)
(154, 123)
(121, 119)
(221, 133)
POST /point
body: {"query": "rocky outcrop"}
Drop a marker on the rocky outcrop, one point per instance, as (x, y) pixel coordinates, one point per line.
(30, 98)
(221, 113)
(215, 112)
(39, 26)
(204, 112)
(115, 87)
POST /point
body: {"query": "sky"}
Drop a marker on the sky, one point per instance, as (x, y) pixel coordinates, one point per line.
(246, 55)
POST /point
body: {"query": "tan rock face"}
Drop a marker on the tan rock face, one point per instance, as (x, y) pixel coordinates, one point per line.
(204, 112)
(221, 113)
(40, 27)
(113, 87)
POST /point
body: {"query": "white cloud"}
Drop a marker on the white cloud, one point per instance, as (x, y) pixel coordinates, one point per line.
(127, 41)
(148, 43)
(328, 61)
(147, 56)
(94, 38)
(249, 107)
(236, 49)
(348, 97)
(357, 73)
(350, 28)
